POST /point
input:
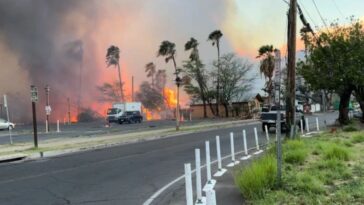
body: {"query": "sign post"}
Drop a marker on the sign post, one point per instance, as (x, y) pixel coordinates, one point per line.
(34, 99)
(7, 115)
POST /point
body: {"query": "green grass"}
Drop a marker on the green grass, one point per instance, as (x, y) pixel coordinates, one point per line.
(336, 152)
(255, 180)
(350, 128)
(358, 138)
(324, 169)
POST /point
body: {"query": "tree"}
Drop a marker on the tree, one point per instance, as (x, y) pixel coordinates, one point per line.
(234, 79)
(112, 58)
(150, 70)
(214, 37)
(109, 92)
(167, 49)
(265, 54)
(149, 97)
(336, 63)
(194, 69)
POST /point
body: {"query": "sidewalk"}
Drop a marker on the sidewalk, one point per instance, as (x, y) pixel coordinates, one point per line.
(58, 146)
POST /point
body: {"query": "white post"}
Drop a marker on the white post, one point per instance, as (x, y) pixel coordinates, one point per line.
(307, 126)
(188, 181)
(58, 130)
(266, 133)
(233, 161)
(232, 147)
(317, 125)
(218, 151)
(198, 176)
(256, 138)
(46, 124)
(208, 162)
(301, 126)
(257, 141)
(220, 170)
(211, 197)
(247, 156)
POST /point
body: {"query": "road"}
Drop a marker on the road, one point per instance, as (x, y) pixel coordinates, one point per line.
(126, 174)
(23, 133)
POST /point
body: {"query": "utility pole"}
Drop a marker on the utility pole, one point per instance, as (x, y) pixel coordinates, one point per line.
(47, 108)
(278, 121)
(291, 69)
(69, 111)
(7, 115)
(132, 88)
(1, 110)
(34, 99)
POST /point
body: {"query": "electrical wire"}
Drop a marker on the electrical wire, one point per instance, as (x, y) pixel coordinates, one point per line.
(308, 14)
(319, 13)
(338, 9)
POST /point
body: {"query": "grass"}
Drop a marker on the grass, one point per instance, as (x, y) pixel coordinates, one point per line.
(350, 128)
(325, 169)
(257, 178)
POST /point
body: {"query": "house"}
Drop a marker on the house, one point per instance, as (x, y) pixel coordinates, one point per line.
(242, 110)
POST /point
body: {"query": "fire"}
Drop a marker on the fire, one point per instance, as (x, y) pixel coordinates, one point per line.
(170, 98)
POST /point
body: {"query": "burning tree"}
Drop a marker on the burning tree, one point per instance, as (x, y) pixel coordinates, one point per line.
(112, 58)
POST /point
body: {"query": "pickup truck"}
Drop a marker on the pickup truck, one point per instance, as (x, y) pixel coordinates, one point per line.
(130, 117)
(269, 117)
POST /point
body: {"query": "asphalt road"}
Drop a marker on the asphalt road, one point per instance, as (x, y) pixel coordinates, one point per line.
(127, 174)
(24, 133)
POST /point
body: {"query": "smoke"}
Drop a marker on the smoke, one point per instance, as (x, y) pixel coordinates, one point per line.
(47, 50)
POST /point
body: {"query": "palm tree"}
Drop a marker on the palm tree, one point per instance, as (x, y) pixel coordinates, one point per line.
(215, 38)
(194, 57)
(267, 67)
(167, 49)
(150, 70)
(112, 58)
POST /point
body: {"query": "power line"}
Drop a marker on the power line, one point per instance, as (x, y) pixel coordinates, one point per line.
(319, 13)
(338, 9)
(308, 14)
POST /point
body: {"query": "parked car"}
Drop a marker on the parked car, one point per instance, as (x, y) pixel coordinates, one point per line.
(131, 117)
(4, 124)
(357, 114)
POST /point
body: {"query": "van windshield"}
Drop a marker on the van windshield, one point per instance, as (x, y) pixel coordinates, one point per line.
(112, 111)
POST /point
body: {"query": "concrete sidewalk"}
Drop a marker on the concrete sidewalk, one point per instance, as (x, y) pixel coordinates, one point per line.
(53, 147)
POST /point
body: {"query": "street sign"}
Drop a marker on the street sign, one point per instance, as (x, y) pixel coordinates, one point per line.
(34, 93)
(48, 109)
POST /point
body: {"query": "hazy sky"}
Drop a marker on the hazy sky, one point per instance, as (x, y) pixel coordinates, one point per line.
(40, 29)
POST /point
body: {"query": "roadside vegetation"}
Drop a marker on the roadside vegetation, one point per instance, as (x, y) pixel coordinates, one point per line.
(324, 169)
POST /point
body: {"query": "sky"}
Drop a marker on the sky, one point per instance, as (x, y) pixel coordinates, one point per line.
(34, 35)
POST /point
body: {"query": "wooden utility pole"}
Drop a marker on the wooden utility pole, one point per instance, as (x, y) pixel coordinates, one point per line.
(291, 69)
(34, 99)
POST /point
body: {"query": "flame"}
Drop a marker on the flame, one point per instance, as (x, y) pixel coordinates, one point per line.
(170, 98)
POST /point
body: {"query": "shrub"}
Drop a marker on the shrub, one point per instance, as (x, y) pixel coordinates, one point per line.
(295, 156)
(336, 152)
(350, 128)
(257, 178)
(359, 138)
(295, 152)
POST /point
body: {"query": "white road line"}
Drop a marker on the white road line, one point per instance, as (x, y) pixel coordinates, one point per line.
(156, 194)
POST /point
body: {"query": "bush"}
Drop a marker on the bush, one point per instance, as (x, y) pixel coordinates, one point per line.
(295, 156)
(359, 138)
(257, 178)
(336, 152)
(295, 152)
(350, 128)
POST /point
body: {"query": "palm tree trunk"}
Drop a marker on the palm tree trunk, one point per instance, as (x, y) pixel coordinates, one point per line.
(121, 85)
(218, 79)
(177, 107)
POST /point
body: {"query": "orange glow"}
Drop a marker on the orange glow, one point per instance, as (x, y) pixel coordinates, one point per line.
(170, 98)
